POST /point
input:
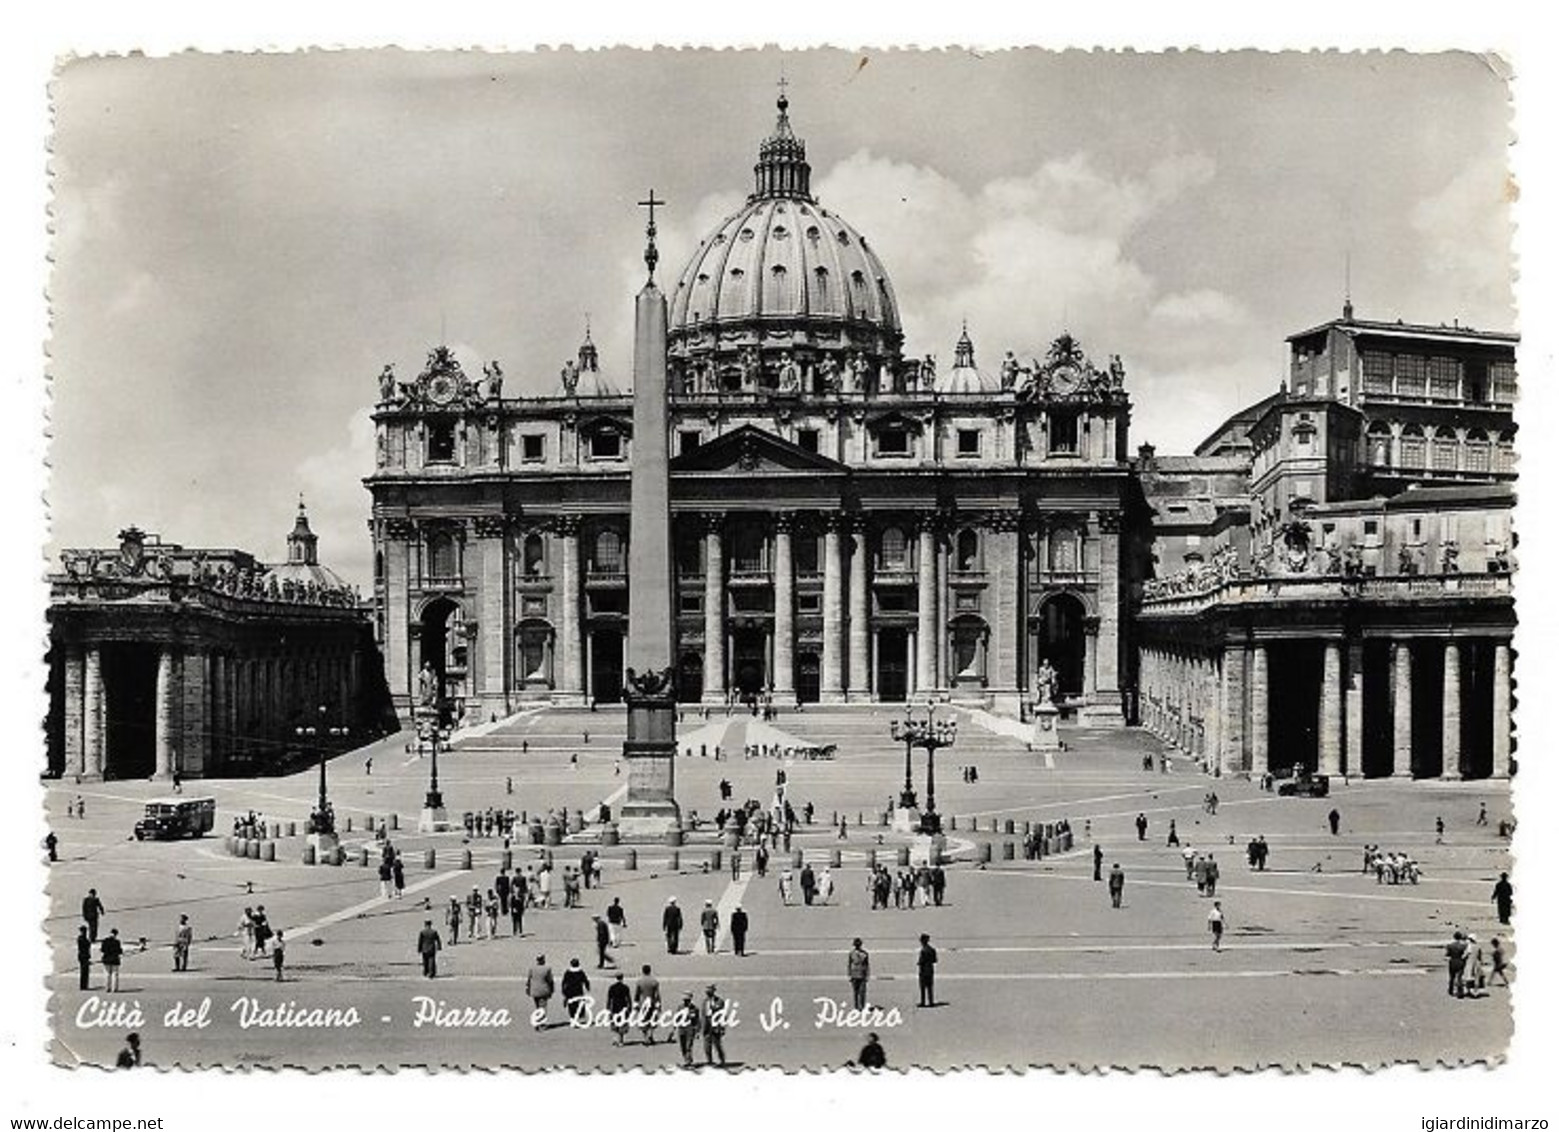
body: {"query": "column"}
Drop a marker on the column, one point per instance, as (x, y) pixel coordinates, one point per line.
(217, 740)
(1331, 738)
(73, 752)
(1108, 663)
(1258, 711)
(166, 691)
(495, 630)
(1212, 715)
(1232, 731)
(784, 670)
(714, 609)
(1501, 767)
(1451, 714)
(192, 742)
(94, 723)
(1353, 711)
(925, 615)
(939, 658)
(1402, 709)
(860, 681)
(1009, 627)
(571, 637)
(394, 538)
(833, 613)
(1090, 658)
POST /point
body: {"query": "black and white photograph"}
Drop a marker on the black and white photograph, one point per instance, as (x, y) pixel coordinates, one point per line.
(817, 559)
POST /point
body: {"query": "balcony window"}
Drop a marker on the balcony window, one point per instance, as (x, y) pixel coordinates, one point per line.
(443, 562)
(441, 443)
(1445, 378)
(1444, 451)
(1377, 371)
(606, 444)
(893, 550)
(533, 448)
(807, 439)
(535, 556)
(968, 442)
(608, 553)
(968, 551)
(1502, 380)
(1063, 432)
(893, 442)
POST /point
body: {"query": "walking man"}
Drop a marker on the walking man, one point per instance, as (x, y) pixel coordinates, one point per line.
(111, 954)
(1142, 827)
(714, 1027)
(576, 985)
(91, 909)
(84, 956)
(1215, 924)
(688, 1025)
(1212, 875)
(646, 1000)
(1098, 861)
(739, 930)
(603, 939)
(1504, 898)
(279, 956)
(709, 921)
(671, 922)
(925, 964)
(1334, 819)
(1483, 814)
(858, 966)
(619, 1007)
(539, 987)
(183, 938)
(1117, 885)
(616, 920)
(428, 944)
(1456, 965)
(1439, 831)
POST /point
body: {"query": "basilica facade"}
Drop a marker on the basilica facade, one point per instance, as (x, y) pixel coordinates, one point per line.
(849, 523)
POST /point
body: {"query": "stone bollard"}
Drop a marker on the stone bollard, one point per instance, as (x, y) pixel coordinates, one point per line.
(308, 854)
(268, 851)
(673, 837)
(795, 859)
(871, 860)
(835, 858)
(429, 858)
(362, 857)
(985, 852)
(576, 821)
(253, 850)
(348, 827)
(903, 856)
(631, 861)
(368, 823)
(292, 829)
(716, 856)
(610, 834)
(395, 821)
(1008, 851)
(675, 863)
(952, 825)
(465, 859)
(338, 856)
(554, 834)
(508, 860)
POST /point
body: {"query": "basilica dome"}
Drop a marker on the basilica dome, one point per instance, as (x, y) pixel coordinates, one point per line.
(782, 275)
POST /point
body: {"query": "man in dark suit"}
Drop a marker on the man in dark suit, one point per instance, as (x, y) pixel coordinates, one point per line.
(428, 945)
(84, 956)
(91, 910)
(671, 922)
(925, 963)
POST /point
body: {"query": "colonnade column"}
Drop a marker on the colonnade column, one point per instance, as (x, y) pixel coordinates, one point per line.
(714, 608)
(1212, 730)
(74, 752)
(94, 723)
(925, 613)
(1501, 752)
(166, 691)
(784, 677)
(1258, 711)
(860, 680)
(495, 629)
(833, 612)
(1451, 714)
(1231, 755)
(1401, 709)
(1330, 752)
(572, 682)
(1353, 711)
(1090, 657)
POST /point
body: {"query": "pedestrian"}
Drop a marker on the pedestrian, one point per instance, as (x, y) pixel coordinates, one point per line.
(183, 938)
(130, 1056)
(786, 886)
(84, 956)
(858, 966)
(386, 881)
(1215, 924)
(246, 933)
(688, 1024)
(1117, 885)
(368, 765)
(872, 1055)
(492, 914)
(1142, 827)
(1212, 875)
(1504, 898)
(646, 1000)
(1174, 837)
(576, 985)
(709, 924)
(616, 921)
(1262, 849)
(1499, 962)
(398, 875)
(474, 913)
(619, 1007)
(262, 929)
(111, 954)
(452, 918)
(671, 923)
(81, 807)
(539, 988)
(52, 844)
(739, 930)
(825, 884)
(1456, 965)
(1098, 861)
(91, 909)
(279, 956)
(428, 945)
(603, 940)
(925, 965)
(938, 884)
(178, 783)
(1483, 814)
(808, 883)
(1334, 819)
(714, 1027)
(1439, 831)
(1199, 874)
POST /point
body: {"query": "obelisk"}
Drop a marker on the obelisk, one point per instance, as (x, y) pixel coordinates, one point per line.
(650, 810)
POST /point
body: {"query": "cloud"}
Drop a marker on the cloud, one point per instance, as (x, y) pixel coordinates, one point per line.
(331, 483)
(1465, 234)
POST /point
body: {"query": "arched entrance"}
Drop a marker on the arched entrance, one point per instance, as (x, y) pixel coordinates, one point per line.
(1058, 638)
(443, 645)
(893, 665)
(968, 636)
(749, 667)
(809, 678)
(606, 665)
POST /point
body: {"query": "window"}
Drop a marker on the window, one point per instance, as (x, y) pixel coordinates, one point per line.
(968, 550)
(1477, 451)
(807, 438)
(442, 560)
(747, 546)
(1444, 450)
(533, 656)
(688, 440)
(441, 442)
(1063, 432)
(968, 442)
(608, 553)
(1505, 453)
(1063, 550)
(1502, 379)
(893, 441)
(606, 444)
(893, 550)
(1445, 376)
(533, 448)
(690, 603)
(809, 603)
(690, 552)
(1411, 449)
(1412, 374)
(535, 556)
(1377, 371)
(1418, 528)
(1378, 444)
(1371, 527)
(803, 550)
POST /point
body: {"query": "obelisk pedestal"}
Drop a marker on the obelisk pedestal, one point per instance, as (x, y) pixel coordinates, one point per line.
(650, 810)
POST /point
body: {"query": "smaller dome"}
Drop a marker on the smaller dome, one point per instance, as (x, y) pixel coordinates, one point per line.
(583, 378)
(302, 565)
(965, 376)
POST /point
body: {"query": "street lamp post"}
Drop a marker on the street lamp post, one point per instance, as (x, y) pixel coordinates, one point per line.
(435, 819)
(322, 822)
(930, 734)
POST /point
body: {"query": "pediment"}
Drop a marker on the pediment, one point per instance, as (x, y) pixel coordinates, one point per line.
(752, 451)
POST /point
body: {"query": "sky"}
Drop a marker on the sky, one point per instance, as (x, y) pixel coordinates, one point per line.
(241, 242)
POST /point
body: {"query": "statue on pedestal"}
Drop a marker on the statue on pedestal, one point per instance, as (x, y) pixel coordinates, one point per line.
(570, 377)
(427, 686)
(387, 383)
(1046, 679)
(789, 374)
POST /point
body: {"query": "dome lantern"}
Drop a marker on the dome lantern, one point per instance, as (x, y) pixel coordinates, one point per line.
(782, 169)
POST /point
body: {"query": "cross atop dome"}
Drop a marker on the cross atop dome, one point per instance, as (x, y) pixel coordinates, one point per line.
(782, 169)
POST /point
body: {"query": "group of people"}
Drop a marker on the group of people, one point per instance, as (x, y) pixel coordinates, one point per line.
(1468, 970)
(1256, 851)
(922, 886)
(816, 888)
(1390, 868)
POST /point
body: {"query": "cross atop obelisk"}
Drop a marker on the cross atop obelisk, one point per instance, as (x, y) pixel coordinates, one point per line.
(651, 255)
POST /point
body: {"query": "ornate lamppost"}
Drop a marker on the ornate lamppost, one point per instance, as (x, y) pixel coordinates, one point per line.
(434, 819)
(322, 822)
(930, 734)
